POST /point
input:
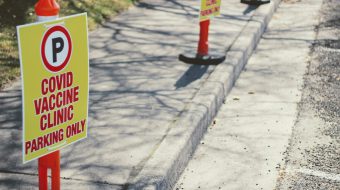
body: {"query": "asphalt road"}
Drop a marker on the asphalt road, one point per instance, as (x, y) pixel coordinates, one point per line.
(315, 143)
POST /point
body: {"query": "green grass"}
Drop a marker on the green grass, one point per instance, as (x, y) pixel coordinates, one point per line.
(18, 12)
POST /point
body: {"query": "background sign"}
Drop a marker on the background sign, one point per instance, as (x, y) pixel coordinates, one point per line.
(209, 9)
(55, 84)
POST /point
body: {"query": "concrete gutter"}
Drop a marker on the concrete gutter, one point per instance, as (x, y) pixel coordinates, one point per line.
(164, 167)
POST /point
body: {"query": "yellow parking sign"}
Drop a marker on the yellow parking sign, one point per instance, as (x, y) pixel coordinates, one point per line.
(55, 84)
(209, 9)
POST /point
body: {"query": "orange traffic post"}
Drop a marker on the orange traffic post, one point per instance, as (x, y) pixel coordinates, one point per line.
(209, 9)
(203, 47)
(202, 56)
(49, 162)
(48, 10)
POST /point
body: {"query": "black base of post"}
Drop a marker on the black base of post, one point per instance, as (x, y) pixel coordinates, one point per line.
(255, 2)
(202, 60)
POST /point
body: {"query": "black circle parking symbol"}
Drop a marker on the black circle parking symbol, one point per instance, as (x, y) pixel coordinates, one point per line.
(56, 48)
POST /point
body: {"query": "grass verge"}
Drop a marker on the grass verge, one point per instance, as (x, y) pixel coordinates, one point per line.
(20, 12)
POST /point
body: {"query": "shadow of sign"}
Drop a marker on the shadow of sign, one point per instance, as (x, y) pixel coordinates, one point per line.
(193, 73)
(249, 9)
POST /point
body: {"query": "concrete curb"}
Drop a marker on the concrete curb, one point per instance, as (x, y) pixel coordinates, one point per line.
(165, 166)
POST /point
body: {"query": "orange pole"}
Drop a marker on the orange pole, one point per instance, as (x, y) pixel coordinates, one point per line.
(52, 162)
(48, 10)
(203, 47)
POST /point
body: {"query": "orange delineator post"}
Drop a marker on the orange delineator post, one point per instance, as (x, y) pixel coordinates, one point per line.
(203, 47)
(202, 56)
(52, 162)
(48, 10)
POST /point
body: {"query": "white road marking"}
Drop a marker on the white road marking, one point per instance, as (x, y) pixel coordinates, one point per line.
(316, 173)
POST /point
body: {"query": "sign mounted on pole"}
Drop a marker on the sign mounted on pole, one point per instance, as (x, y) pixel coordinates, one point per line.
(55, 84)
(209, 9)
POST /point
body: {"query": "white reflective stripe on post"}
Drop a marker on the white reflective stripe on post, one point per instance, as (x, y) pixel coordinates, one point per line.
(46, 18)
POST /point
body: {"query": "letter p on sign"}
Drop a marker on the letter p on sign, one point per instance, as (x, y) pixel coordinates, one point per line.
(56, 48)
